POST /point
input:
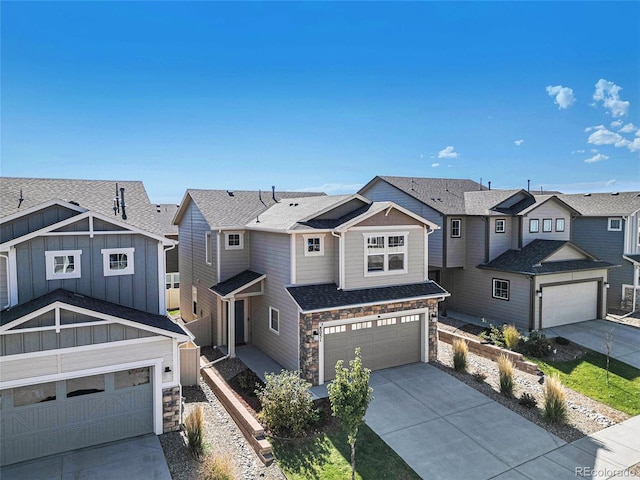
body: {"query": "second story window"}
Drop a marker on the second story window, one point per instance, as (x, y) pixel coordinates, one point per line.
(456, 227)
(559, 224)
(62, 264)
(547, 224)
(234, 240)
(117, 261)
(313, 245)
(385, 253)
(208, 248)
(501, 225)
(615, 225)
(534, 225)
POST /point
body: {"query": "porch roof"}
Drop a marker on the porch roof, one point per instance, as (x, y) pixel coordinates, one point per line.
(237, 282)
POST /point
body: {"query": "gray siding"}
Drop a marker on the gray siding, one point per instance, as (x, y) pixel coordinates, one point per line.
(456, 247)
(234, 261)
(172, 256)
(501, 242)
(271, 255)
(37, 220)
(316, 269)
(591, 234)
(381, 191)
(550, 210)
(4, 287)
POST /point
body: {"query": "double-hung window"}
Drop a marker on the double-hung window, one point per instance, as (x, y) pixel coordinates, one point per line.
(118, 261)
(62, 264)
(559, 224)
(546, 224)
(385, 253)
(501, 289)
(274, 320)
(456, 228)
(534, 225)
(501, 225)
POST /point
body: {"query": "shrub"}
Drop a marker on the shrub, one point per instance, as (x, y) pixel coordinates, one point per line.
(561, 341)
(493, 334)
(194, 426)
(555, 407)
(527, 400)
(479, 376)
(217, 468)
(460, 350)
(511, 336)
(247, 380)
(506, 370)
(287, 405)
(536, 345)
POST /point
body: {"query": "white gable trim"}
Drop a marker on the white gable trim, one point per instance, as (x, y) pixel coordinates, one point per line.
(379, 207)
(42, 206)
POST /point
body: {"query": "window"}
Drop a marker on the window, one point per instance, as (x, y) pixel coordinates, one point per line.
(131, 378)
(62, 264)
(615, 225)
(117, 261)
(274, 320)
(501, 289)
(456, 224)
(234, 240)
(410, 318)
(173, 280)
(313, 245)
(194, 299)
(31, 394)
(534, 225)
(385, 253)
(361, 325)
(85, 385)
(501, 225)
(386, 321)
(547, 224)
(208, 248)
(336, 329)
(559, 224)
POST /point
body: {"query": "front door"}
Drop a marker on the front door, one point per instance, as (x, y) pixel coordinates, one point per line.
(239, 322)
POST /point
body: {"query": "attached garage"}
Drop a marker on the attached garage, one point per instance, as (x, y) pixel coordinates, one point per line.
(53, 417)
(384, 343)
(570, 303)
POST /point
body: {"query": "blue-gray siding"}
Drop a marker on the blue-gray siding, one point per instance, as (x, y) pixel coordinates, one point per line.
(37, 220)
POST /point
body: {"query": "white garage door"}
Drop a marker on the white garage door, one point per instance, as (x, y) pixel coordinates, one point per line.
(563, 304)
(384, 343)
(54, 417)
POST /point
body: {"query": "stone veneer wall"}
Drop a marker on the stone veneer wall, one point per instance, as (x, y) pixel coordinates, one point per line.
(171, 399)
(309, 322)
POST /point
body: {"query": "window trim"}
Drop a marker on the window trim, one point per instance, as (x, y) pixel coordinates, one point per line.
(208, 248)
(563, 224)
(106, 263)
(548, 221)
(493, 289)
(459, 222)
(240, 245)
(611, 228)
(320, 252)
(194, 300)
(50, 257)
(537, 225)
(271, 310)
(503, 222)
(385, 262)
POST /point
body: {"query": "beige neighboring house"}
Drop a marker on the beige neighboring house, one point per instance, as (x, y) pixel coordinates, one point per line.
(165, 212)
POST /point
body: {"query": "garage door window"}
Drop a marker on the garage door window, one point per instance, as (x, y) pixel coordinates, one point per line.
(85, 385)
(32, 394)
(361, 325)
(336, 329)
(410, 318)
(501, 289)
(387, 321)
(131, 378)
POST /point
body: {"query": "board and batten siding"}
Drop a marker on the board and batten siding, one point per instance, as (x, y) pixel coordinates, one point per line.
(139, 290)
(381, 191)
(35, 221)
(234, 261)
(27, 366)
(271, 256)
(592, 235)
(316, 268)
(552, 210)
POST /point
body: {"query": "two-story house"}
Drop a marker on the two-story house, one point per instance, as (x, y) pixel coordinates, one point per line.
(307, 279)
(609, 227)
(87, 354)
(514, 262)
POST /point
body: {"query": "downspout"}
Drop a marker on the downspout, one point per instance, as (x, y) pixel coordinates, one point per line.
(218, 237)
(340, 259)
(427, 232)
(6, 258)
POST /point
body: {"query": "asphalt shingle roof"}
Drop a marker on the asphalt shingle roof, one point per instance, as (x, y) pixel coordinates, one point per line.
(94, 195)
(483, 203)
(81, 301)
(635, 258)
(327, 296)
(603, 204)
(234, 283)
(530, 260)
(164, 215)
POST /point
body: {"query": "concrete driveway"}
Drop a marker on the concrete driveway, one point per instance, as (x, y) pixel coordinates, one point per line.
(139, 458)
(591, 334)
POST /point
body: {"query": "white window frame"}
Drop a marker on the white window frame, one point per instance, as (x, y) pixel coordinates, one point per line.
(560, 221)
(494, 285)
(240, 245)
(386, 253)
(547, 225)
(457, 221)
(194, 300)
(532, 222)
(271, 311)
(106, 263)
(503, 222)
(610, 226)
(318, 253)
(208, 248)
(50, 256)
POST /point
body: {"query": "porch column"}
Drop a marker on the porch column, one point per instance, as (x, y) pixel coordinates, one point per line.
(231, 328)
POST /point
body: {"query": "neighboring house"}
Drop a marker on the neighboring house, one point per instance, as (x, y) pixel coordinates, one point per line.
(609, 227)
(307, 279)
(87, 354)
(505, 255)
(165, 213)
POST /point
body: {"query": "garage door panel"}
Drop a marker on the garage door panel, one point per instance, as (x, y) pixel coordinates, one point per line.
(564, 304)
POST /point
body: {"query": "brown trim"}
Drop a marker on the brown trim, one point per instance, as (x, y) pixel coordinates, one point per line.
(599, 303)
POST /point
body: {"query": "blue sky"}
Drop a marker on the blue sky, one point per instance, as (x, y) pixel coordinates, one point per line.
(322, 96)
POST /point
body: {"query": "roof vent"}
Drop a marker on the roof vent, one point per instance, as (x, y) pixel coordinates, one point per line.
(615, 193)
(73, 202)
(230, 193)
(587, 194)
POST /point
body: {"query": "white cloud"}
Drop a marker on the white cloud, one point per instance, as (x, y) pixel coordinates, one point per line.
(596, 158)
(611, 182)
(563, 96)
(519, 142)
(609, 94)
(448, 152)
(588, 129)
(634, 145)
(628, 128)
(334, 188)
(434, 165)
(616, 123)
(577, 151)
(602, 136)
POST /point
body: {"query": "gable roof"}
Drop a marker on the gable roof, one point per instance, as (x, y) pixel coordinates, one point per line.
(603, 204)
(165, 212)
(93, 195)
(233, 209)
(530, 260)
(445, 195)
(237, 282)
(541, 199)
(487, 202)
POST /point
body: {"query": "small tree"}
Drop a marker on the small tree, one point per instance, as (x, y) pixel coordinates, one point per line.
(350, 395)
(608, 346)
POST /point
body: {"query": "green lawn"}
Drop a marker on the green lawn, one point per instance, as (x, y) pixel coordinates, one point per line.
(587, 375)
(328, 457)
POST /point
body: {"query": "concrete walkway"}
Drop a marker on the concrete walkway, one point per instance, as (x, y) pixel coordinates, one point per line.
(139, 458)
(591, 334)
